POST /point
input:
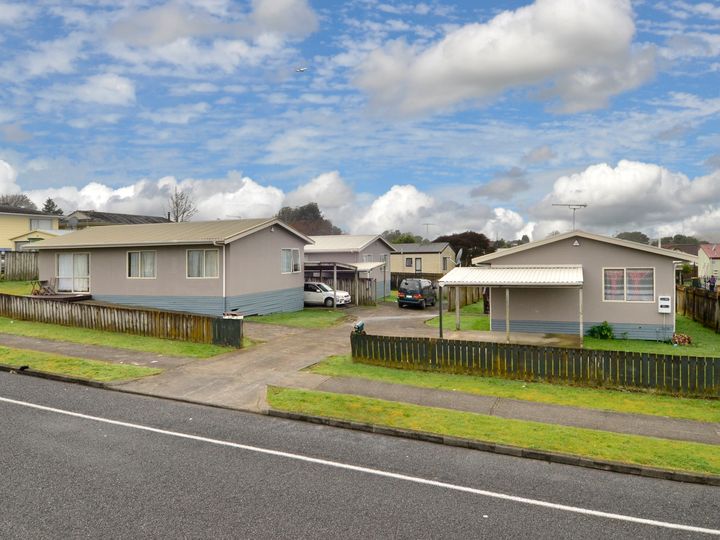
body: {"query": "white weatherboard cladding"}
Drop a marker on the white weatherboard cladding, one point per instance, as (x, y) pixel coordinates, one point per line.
(516, 276)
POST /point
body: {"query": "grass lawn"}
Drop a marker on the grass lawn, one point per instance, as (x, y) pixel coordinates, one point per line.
(110, 339)
(307, 318)
(18, 288)
(702, 410)
(75, 367)
(471, 318)
(666, 454)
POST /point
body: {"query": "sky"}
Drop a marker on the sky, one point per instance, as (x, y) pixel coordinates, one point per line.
(431, 117)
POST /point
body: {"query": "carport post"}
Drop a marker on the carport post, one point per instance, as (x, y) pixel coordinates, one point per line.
(457, 307)
(507, 314)
(357, 287)
(440, 292)
(334, 285)
(580, 309)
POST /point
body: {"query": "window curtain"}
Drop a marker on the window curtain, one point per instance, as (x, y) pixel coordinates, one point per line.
(65, 272)
(296, 260)
(614, 284)
(148, 264)
(211, 263)
(286, 261)
(640, 285)
(133, 264)
(195, 263)
(81, 272)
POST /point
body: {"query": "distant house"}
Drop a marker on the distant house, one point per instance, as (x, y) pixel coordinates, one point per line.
(80, 219)
(573, 281)
(25, 242)
(365, 256)
(252, 266)
(15, 222)
(709, 260)
(428, 258)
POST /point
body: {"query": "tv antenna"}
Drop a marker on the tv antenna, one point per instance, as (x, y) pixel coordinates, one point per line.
(427, 228)
(574, 207)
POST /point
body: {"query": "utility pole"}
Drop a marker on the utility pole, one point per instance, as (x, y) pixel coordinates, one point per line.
(574, 207)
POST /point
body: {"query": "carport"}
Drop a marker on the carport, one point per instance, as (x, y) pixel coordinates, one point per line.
(356, 270)
(567, 276)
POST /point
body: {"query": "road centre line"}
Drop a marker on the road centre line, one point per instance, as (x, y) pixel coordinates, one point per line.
(371, 471)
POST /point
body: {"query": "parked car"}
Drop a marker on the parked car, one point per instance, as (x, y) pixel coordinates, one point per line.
(317, 293)
(416, 292)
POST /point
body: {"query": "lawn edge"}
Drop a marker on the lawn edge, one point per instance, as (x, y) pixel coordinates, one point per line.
(508, 450)
(66, 378)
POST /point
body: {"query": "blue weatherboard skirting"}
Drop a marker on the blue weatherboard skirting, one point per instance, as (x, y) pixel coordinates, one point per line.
(247, 304)
(651, 332)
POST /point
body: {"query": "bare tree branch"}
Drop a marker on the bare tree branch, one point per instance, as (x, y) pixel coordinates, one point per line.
(181, 206)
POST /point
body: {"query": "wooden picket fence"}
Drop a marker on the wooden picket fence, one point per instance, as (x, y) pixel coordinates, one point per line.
(682, 375)
(361, 291)
(700, 305)
(145, 322)
(19, 265)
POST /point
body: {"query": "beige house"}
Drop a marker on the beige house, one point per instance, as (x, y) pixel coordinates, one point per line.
(709, 260)
(25, 242)
(429, 258)
(15, 222)
(573, 281)
(251, 266)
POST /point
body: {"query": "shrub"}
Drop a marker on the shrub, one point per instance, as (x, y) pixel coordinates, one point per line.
(681, 339)
(602, 331)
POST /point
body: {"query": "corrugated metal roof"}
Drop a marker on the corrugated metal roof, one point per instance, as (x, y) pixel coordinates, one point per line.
(115, 218)
(340, 242)
(566, 275)
(711, 250)
(431, 247)
(159, 234)
(367, 266)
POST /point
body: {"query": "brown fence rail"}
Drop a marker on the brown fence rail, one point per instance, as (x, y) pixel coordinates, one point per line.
(684, 375)
(19, 265)
(361, 291)
(144, 322)
(700, 305)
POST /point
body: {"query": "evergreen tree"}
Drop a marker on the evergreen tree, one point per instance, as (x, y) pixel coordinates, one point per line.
(51, 208)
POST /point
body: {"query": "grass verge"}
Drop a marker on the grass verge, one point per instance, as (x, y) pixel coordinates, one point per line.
(661, 453)
(87, 336)
(18, 288)
(307, 318)
(472, 317)
(73, 367)
(700, 410)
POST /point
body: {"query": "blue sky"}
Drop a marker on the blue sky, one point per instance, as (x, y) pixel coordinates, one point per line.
(446, 113)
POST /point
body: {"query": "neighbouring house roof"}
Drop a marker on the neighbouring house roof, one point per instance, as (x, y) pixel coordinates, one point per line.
(112, 218)
(711, 250)
(432, 247)
(333, 243)
(561, 275)
(4, 209)
(164, 234)
(677, 255)
(691, 249)
(49, 232)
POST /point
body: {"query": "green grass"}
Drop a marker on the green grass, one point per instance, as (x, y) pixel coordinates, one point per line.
(666, 454)
(705, 342)
(74, 367)
(701, 410)
(18, 288)
(471, 318)
(307, 318)
(110, 339)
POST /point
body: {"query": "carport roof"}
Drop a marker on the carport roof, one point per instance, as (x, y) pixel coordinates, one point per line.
(521, 276)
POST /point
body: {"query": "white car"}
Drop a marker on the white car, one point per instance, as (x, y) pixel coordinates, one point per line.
(318, 293)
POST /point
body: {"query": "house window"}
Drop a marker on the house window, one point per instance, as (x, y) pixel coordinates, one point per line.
(73, 272)
(141, 264)
(36, 224)
(408, 262)
(203, 263)
(418, 264)
(445, 263)
(629, 284)
(367, 257)
(289, 260)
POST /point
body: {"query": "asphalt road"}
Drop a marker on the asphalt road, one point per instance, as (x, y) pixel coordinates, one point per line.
(173, 470)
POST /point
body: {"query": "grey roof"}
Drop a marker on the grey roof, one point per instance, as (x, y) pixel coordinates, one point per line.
(547, 275)
(429, 247)
(5, 209)
(343, 242)
(115, 218)
(162, 234)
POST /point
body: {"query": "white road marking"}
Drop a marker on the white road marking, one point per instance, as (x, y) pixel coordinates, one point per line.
(375, 472)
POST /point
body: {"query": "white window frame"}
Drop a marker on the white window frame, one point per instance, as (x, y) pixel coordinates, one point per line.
(295, 262)
(187, 263)
(73, 278)
(367, 257)
(445, 263)
(127, 264)
(408, 262)
(625, 284)
(418, 260)
(41, 219)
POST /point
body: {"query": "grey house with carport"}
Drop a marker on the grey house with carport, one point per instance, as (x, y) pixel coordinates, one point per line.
(570, 282)
(250, 266)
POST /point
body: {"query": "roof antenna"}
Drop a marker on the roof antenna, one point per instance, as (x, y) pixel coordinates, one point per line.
(574, 207)
(427, 228)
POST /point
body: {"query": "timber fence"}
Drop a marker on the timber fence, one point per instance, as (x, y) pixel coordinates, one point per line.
(19, 265)
(701, 305)
(145, 322)
(682, 375)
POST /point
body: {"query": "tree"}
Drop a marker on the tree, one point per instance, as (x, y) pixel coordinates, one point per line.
(681, 239)
(525, 239)
(472, 243)
(634, 236)
(18, 200)
(397, 237)
(181, 206)
(51, 208)
(307, 219)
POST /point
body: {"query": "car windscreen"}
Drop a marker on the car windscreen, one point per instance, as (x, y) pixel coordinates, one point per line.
(324, 287)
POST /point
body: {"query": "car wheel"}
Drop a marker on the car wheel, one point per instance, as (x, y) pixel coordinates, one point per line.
(328, 302)
(422, 304)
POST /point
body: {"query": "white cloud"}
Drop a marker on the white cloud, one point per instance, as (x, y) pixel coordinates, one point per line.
(8, 178)
(182, 114)
(329, 190)
(581, 48)
(399, 208)
(12, 14)
(289, 17)
(104, 89)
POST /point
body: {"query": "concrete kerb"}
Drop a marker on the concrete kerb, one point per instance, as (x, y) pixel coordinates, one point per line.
(484, 446)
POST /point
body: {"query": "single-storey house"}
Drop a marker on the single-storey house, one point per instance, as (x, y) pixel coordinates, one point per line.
(79, 219)
(709, 261)
(16, 221)
(573, 281)
(366, 256)
(428, 258)
(251, 266)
